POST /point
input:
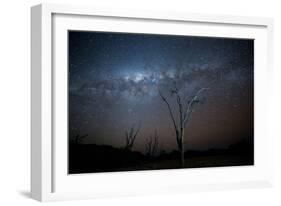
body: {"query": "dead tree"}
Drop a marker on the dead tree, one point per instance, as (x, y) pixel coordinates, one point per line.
(152, 145)
(131, 137)
(79, 139)
(185, 108)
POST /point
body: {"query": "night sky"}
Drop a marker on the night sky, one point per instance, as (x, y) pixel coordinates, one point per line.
(114, 79)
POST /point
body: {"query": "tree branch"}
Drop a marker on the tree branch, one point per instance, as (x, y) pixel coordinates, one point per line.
(170, 110)
(189, 107)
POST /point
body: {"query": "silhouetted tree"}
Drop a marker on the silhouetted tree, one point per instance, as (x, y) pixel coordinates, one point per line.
(131, 135)
(152, 145)
(79, 139)
(185, 108)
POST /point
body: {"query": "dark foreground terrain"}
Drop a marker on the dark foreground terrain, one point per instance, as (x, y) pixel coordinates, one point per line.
(90, 158)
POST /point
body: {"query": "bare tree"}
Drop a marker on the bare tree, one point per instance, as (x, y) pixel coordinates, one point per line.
(185, 108)
(152, 145)
(131, 135)
(79, 139)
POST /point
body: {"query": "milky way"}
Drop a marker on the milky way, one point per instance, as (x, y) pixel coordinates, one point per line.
(115, 79)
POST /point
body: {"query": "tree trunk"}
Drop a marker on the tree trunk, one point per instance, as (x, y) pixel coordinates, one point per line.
(182, 148)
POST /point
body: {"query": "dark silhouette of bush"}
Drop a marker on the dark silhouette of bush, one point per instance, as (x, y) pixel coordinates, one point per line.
(98, 158)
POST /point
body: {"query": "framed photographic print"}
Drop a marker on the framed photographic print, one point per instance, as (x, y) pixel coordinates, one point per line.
(134, 102)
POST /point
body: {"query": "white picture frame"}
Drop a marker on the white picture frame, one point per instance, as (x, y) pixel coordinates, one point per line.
(49, 178)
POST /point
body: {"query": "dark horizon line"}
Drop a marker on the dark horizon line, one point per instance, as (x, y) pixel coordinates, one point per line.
(243, 140)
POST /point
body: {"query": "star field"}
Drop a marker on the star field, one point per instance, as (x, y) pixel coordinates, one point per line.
(114, 79)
